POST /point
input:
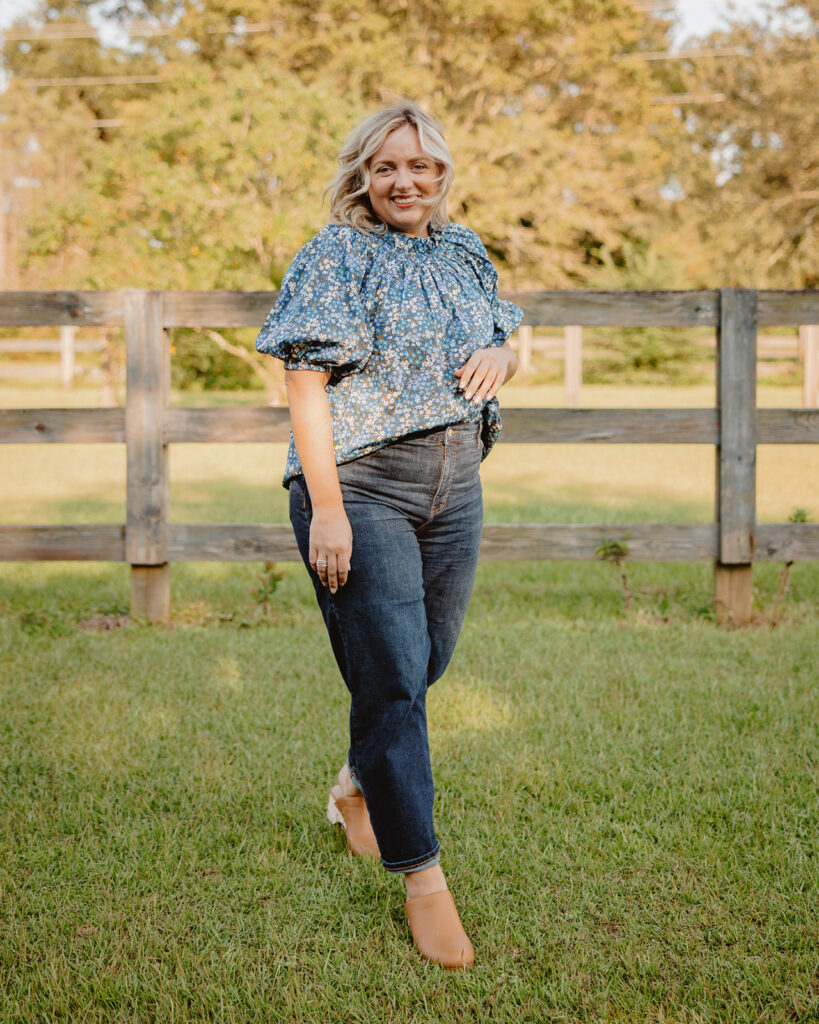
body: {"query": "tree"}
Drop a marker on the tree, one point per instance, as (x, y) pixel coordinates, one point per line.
(214, 178)
(754, 190)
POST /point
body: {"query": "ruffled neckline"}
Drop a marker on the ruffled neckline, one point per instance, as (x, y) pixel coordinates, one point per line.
(411, 243)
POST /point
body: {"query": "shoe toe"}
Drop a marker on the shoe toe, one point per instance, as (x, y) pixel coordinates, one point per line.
(437, 930)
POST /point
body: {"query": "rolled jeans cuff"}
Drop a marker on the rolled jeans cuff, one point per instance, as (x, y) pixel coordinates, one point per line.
(407, 867)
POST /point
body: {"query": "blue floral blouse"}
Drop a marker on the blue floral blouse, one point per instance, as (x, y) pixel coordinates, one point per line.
(391, 317)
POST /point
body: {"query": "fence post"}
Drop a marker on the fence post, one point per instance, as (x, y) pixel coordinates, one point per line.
(809, 337)
(573, 364)
(147, 497)
(67, 337)
(109, 371)
(525, 349)
(736, 455)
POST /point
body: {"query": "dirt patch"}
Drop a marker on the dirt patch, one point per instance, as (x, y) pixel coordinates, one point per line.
(101, 623)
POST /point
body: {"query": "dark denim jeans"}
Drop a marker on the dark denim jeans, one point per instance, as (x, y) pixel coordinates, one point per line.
(416, 512)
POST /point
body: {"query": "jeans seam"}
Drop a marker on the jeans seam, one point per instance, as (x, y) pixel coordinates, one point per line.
(452, 455)
(341, 632)
(447, 463)
(432, 511)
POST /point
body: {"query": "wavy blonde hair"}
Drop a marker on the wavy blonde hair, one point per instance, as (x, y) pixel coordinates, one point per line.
(350, 202)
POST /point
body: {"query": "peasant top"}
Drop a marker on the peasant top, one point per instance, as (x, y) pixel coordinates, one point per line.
(390, 317)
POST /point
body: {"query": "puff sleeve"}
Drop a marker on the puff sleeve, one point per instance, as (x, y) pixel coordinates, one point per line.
(320, 320)
(506, 316)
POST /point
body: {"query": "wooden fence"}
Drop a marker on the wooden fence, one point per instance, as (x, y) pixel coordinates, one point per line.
(67, 345)
(569, 349)
(147, 425)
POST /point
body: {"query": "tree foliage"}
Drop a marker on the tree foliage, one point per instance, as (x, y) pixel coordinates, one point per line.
(757, 197)
(566, 165)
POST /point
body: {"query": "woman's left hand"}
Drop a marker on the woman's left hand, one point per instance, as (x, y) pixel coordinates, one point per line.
(482, 375)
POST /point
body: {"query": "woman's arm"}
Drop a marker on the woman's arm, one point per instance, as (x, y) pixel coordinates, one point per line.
(331, 537)
(485, 371)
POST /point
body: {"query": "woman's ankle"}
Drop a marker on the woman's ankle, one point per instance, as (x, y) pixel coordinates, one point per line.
(424, 882)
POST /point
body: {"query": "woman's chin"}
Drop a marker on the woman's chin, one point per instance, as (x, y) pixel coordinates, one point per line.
(409, 226)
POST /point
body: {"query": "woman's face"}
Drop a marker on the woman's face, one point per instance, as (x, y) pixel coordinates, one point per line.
(401, 174)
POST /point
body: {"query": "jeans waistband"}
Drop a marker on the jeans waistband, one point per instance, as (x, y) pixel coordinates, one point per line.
(463, 426)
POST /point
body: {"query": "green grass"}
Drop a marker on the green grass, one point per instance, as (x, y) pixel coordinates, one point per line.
(628, 803)
(627, 806)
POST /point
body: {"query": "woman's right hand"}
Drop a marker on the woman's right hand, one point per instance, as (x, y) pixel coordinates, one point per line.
(331, 547)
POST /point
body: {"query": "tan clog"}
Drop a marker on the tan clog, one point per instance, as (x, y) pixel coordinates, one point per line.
(437, 930)
(351, 813)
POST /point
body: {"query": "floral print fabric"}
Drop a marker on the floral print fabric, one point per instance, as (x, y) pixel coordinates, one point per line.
(391, 317)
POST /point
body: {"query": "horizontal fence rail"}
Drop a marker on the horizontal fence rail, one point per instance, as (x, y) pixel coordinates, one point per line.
(520, 426)
(149, 541)
(541, 308)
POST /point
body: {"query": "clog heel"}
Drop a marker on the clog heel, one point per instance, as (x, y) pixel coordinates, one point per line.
(351, 813)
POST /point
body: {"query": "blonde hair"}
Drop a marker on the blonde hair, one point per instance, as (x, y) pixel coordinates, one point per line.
(350, 202)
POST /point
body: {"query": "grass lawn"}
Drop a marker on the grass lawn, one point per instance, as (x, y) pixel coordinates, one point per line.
(628, 802)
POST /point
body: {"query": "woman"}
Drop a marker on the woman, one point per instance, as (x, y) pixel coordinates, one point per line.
(394, 345)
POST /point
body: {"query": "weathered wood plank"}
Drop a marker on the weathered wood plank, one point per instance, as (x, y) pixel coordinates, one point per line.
(151, 592)
(558, 309)
(555, 308)
(227, 424)
(787, 542)
(148, 377)
(788, 308)
(610, 426)
(733, 594)
(520, 426)
(809, 341)
(573, 365)
(736, 399)
(521, 341)
(217, 308)
(264, 542)
(662, 542)
(618, 309)
(787, 426)
(47, 309)
(502, 541)
(19, 345)
(68, 426)
(97, 542)
(777, 542)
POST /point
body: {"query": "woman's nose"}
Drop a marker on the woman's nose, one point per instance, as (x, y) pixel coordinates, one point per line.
(403, 178)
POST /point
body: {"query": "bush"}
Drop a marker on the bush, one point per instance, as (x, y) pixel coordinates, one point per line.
(198, 364)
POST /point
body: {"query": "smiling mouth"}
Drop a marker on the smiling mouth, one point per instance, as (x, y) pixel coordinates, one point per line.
(404, 201)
